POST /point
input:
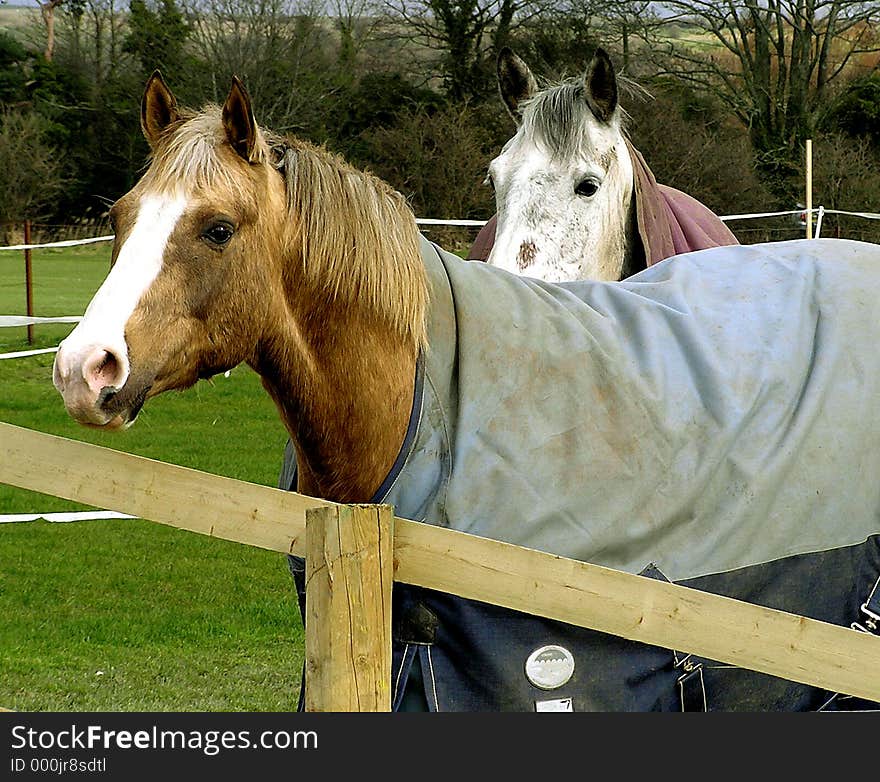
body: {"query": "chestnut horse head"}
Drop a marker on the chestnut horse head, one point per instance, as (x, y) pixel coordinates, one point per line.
(239, 246)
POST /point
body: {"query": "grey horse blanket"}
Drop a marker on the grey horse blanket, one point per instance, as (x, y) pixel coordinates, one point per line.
(714, 411)
(712, 420)
(669, 222)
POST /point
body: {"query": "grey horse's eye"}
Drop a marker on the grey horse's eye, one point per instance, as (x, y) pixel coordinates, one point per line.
(587, 187)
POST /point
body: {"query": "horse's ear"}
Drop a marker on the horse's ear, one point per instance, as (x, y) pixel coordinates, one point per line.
(600, 82)
(239, 122)
(158, 109)
(515, 82)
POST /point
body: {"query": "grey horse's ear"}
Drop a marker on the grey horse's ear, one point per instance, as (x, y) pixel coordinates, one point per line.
(600, 83)
(239, 123)
(158, 109)
(515, 82)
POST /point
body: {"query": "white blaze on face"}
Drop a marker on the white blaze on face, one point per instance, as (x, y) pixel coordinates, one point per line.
(102, 328)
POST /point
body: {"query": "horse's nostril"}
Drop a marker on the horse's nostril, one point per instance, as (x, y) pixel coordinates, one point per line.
(109, 363)
(103, 370)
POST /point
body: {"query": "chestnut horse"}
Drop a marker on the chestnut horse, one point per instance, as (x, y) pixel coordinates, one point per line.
(736, 452)
(203, 241)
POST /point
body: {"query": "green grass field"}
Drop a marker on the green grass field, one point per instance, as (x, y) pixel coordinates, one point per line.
(129, 615)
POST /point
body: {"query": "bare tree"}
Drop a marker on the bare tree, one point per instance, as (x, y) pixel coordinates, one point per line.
(31, 174)
(271, 44)
(47, 11)
(466, 33)
(438, 160)
(691, 146)
(773, 62)
(560, 42)
(621, 22)
(846, 176)
(100, 34)
(356, 22)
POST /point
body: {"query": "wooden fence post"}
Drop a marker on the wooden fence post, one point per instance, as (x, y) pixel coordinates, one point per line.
(29, 281)
(349, 573)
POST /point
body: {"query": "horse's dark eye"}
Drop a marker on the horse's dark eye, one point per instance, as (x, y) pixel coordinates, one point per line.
(219, 233)
(587, 188)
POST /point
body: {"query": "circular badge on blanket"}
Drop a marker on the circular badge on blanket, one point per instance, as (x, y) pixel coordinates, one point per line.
(550, 667)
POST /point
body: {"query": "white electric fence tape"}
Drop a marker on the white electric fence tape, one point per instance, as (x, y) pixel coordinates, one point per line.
(64, 517)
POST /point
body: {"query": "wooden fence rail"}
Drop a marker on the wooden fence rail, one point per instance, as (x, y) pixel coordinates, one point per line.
(640, 609)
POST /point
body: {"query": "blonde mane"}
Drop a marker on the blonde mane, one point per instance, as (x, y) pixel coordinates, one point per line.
(358, 236)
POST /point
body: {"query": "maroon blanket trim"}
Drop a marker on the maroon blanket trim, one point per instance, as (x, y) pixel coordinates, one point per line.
(482, 245)
(672, 222)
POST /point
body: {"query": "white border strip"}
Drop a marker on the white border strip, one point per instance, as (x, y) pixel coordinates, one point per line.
(867, 215)
(25, 353)
(468, 223)
(64, 517)
(755, 215)
(67, 243)
(26, 320)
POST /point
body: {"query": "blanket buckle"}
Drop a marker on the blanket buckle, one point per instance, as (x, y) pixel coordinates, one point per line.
(872, 623)
(871, 609)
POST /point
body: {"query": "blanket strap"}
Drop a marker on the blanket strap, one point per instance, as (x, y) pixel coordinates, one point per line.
(691, 687)
(871, 609)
